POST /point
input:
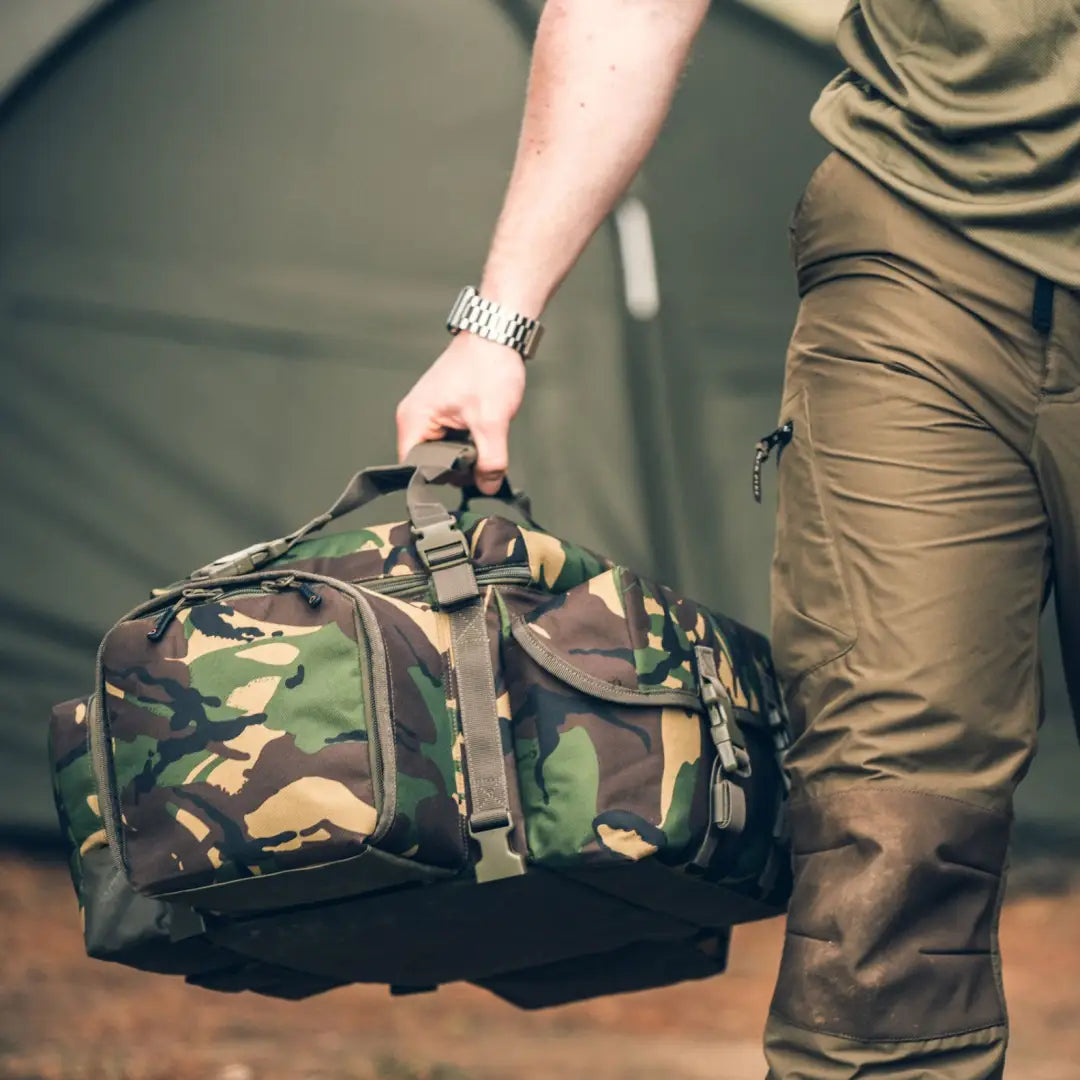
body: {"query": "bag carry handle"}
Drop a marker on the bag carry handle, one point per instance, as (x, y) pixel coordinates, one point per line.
(428, 464)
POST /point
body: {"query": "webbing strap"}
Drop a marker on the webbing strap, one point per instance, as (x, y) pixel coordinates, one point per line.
(490, 822)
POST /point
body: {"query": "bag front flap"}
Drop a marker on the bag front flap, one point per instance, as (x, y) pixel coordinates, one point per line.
(623, 638)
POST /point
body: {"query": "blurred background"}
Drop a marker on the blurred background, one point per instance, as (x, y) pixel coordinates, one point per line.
(229, 234)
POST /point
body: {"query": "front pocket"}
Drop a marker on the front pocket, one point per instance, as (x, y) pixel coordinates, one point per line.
(812, 618)
(239, 737)
(612, 755)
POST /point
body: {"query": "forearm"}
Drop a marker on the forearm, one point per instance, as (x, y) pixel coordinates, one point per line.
(602, 78)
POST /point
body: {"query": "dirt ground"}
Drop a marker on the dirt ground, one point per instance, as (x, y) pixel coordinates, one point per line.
(64, 1017)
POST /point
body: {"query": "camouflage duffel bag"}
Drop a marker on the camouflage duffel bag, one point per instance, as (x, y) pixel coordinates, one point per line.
(454, 748)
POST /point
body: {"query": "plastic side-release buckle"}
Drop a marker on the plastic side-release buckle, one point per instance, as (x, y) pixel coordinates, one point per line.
(718, 707)
(443, 550)
(497, 858)
(245, 561)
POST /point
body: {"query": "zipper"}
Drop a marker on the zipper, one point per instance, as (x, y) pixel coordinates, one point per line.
(405, 585)
(780, 437)
(198, 595)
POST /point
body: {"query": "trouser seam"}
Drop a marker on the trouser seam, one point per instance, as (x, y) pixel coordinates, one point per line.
(794, 682)
(886, 1038)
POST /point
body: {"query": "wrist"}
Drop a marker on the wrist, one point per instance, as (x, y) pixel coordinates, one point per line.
(515, 296)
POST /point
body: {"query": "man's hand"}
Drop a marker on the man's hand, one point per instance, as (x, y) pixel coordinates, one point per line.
(475, 385)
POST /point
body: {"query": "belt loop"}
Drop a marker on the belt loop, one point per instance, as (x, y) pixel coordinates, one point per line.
(1042, 306)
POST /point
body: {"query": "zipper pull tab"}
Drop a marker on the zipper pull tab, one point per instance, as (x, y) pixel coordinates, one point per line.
(313, 598)
(188, 596)
(166, 617)
(277, 585)
(780, 437)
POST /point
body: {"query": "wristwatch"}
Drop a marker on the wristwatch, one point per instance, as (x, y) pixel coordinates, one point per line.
(492, 321)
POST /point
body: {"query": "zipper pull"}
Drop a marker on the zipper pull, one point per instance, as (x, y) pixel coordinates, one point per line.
(186, 597)
(280, 584)
(313, 598)
(277, 585)
(780, 437)
(166, 617)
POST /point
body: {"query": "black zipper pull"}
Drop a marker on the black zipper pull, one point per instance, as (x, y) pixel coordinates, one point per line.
(313, 598)
(164, 619)
(780, 437)
(188, 596)
(288, 581)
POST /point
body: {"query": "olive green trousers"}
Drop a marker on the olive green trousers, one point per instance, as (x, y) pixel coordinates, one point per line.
(929, 502)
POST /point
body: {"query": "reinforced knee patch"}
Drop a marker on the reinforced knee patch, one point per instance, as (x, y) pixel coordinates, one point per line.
(892, 929)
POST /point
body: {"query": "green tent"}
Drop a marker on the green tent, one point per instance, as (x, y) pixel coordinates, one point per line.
(230, 232)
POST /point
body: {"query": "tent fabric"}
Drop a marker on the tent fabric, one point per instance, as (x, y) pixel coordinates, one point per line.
(231, 232)
(30, 29)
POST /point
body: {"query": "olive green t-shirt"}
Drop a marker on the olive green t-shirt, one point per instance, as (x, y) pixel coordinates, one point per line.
(971, 110)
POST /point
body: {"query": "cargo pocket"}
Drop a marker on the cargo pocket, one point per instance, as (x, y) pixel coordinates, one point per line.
(812, 618)
(612, 762)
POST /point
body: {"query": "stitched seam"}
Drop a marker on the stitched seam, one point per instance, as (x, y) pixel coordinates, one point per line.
(1000, 1024)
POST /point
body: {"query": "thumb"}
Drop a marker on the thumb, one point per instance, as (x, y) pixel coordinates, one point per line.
(492, 456)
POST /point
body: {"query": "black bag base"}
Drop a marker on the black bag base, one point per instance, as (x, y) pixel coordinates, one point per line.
(599, 930)
(545, 938)
(643, 965)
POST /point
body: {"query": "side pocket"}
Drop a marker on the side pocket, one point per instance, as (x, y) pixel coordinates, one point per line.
(812, 618)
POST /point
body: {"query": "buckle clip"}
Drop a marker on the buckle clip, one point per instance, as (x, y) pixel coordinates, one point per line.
(441, 545)
(497, 858)
(245, 561)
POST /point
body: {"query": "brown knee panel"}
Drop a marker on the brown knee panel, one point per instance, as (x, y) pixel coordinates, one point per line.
(892, 932)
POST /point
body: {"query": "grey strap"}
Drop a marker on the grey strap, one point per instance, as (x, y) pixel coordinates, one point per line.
(490, 821)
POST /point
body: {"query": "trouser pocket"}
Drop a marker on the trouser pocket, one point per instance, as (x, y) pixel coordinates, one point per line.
(812, 618)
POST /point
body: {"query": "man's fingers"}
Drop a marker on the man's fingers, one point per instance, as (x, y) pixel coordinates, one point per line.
(414, 427)
(491, 454)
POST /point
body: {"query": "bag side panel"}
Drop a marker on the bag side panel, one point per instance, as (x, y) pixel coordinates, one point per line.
(74, 790)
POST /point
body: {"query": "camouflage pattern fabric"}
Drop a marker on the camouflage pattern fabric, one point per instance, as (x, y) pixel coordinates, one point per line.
(247, 738)
(429, 815)
(74, 789)
(240, 739)
(385, 551)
